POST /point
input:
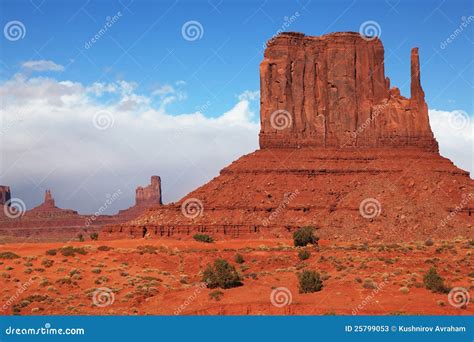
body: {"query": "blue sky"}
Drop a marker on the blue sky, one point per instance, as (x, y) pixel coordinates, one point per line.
(146, 46)
(180, 107)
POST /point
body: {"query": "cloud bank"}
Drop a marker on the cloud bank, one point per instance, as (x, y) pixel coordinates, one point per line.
(85, 142)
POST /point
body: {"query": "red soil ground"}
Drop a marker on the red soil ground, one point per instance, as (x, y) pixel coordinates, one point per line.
(164, 278)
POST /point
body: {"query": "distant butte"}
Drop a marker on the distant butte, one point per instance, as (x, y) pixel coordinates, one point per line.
(340, 149)
(49, 222)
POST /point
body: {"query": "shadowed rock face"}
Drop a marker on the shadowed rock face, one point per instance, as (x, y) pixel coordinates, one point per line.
(5, 194)
(331, 91)
(344, 153)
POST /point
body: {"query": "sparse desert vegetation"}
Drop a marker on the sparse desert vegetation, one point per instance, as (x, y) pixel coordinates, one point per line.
(160, 275)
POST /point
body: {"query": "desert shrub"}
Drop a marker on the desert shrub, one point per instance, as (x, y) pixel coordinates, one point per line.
(81, 237)
(94, 236)
(216, 295)
(203, 238)
(47, 263)
(309, 281)
(8, 255)
(222, 275)
(104, 248)
(147, 249)
(51, 252)
(429, 242)
(369, 284)
(434, 282)
(71, 251)
(239, 258)
(304, 254)
(304, 236)
(96, 270)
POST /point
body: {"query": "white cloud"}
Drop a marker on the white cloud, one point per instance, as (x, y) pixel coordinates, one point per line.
(455, 134)
(42, 65)
(49, 140)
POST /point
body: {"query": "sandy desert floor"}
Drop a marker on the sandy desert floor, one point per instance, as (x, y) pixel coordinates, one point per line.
(163, 277)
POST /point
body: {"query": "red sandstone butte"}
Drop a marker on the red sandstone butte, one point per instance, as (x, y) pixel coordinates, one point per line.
(5, 195)
(317, 91)
(339, 150)
(49, 222)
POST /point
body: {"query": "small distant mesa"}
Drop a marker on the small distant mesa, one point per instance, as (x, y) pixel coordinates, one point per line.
(47, 222)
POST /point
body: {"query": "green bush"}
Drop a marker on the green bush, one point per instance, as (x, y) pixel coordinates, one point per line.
(434, 282)
(104, 248)
(222, 275)
(8, 255)
(94, 236)
(51, 252)
(304, 236)
(239, 259)
(309, 281)
(304, 254)
(203, 238)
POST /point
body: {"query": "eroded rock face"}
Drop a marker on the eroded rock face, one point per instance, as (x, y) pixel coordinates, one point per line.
(331, 91)
(5, 194)
(150, 194)
(344, 153)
